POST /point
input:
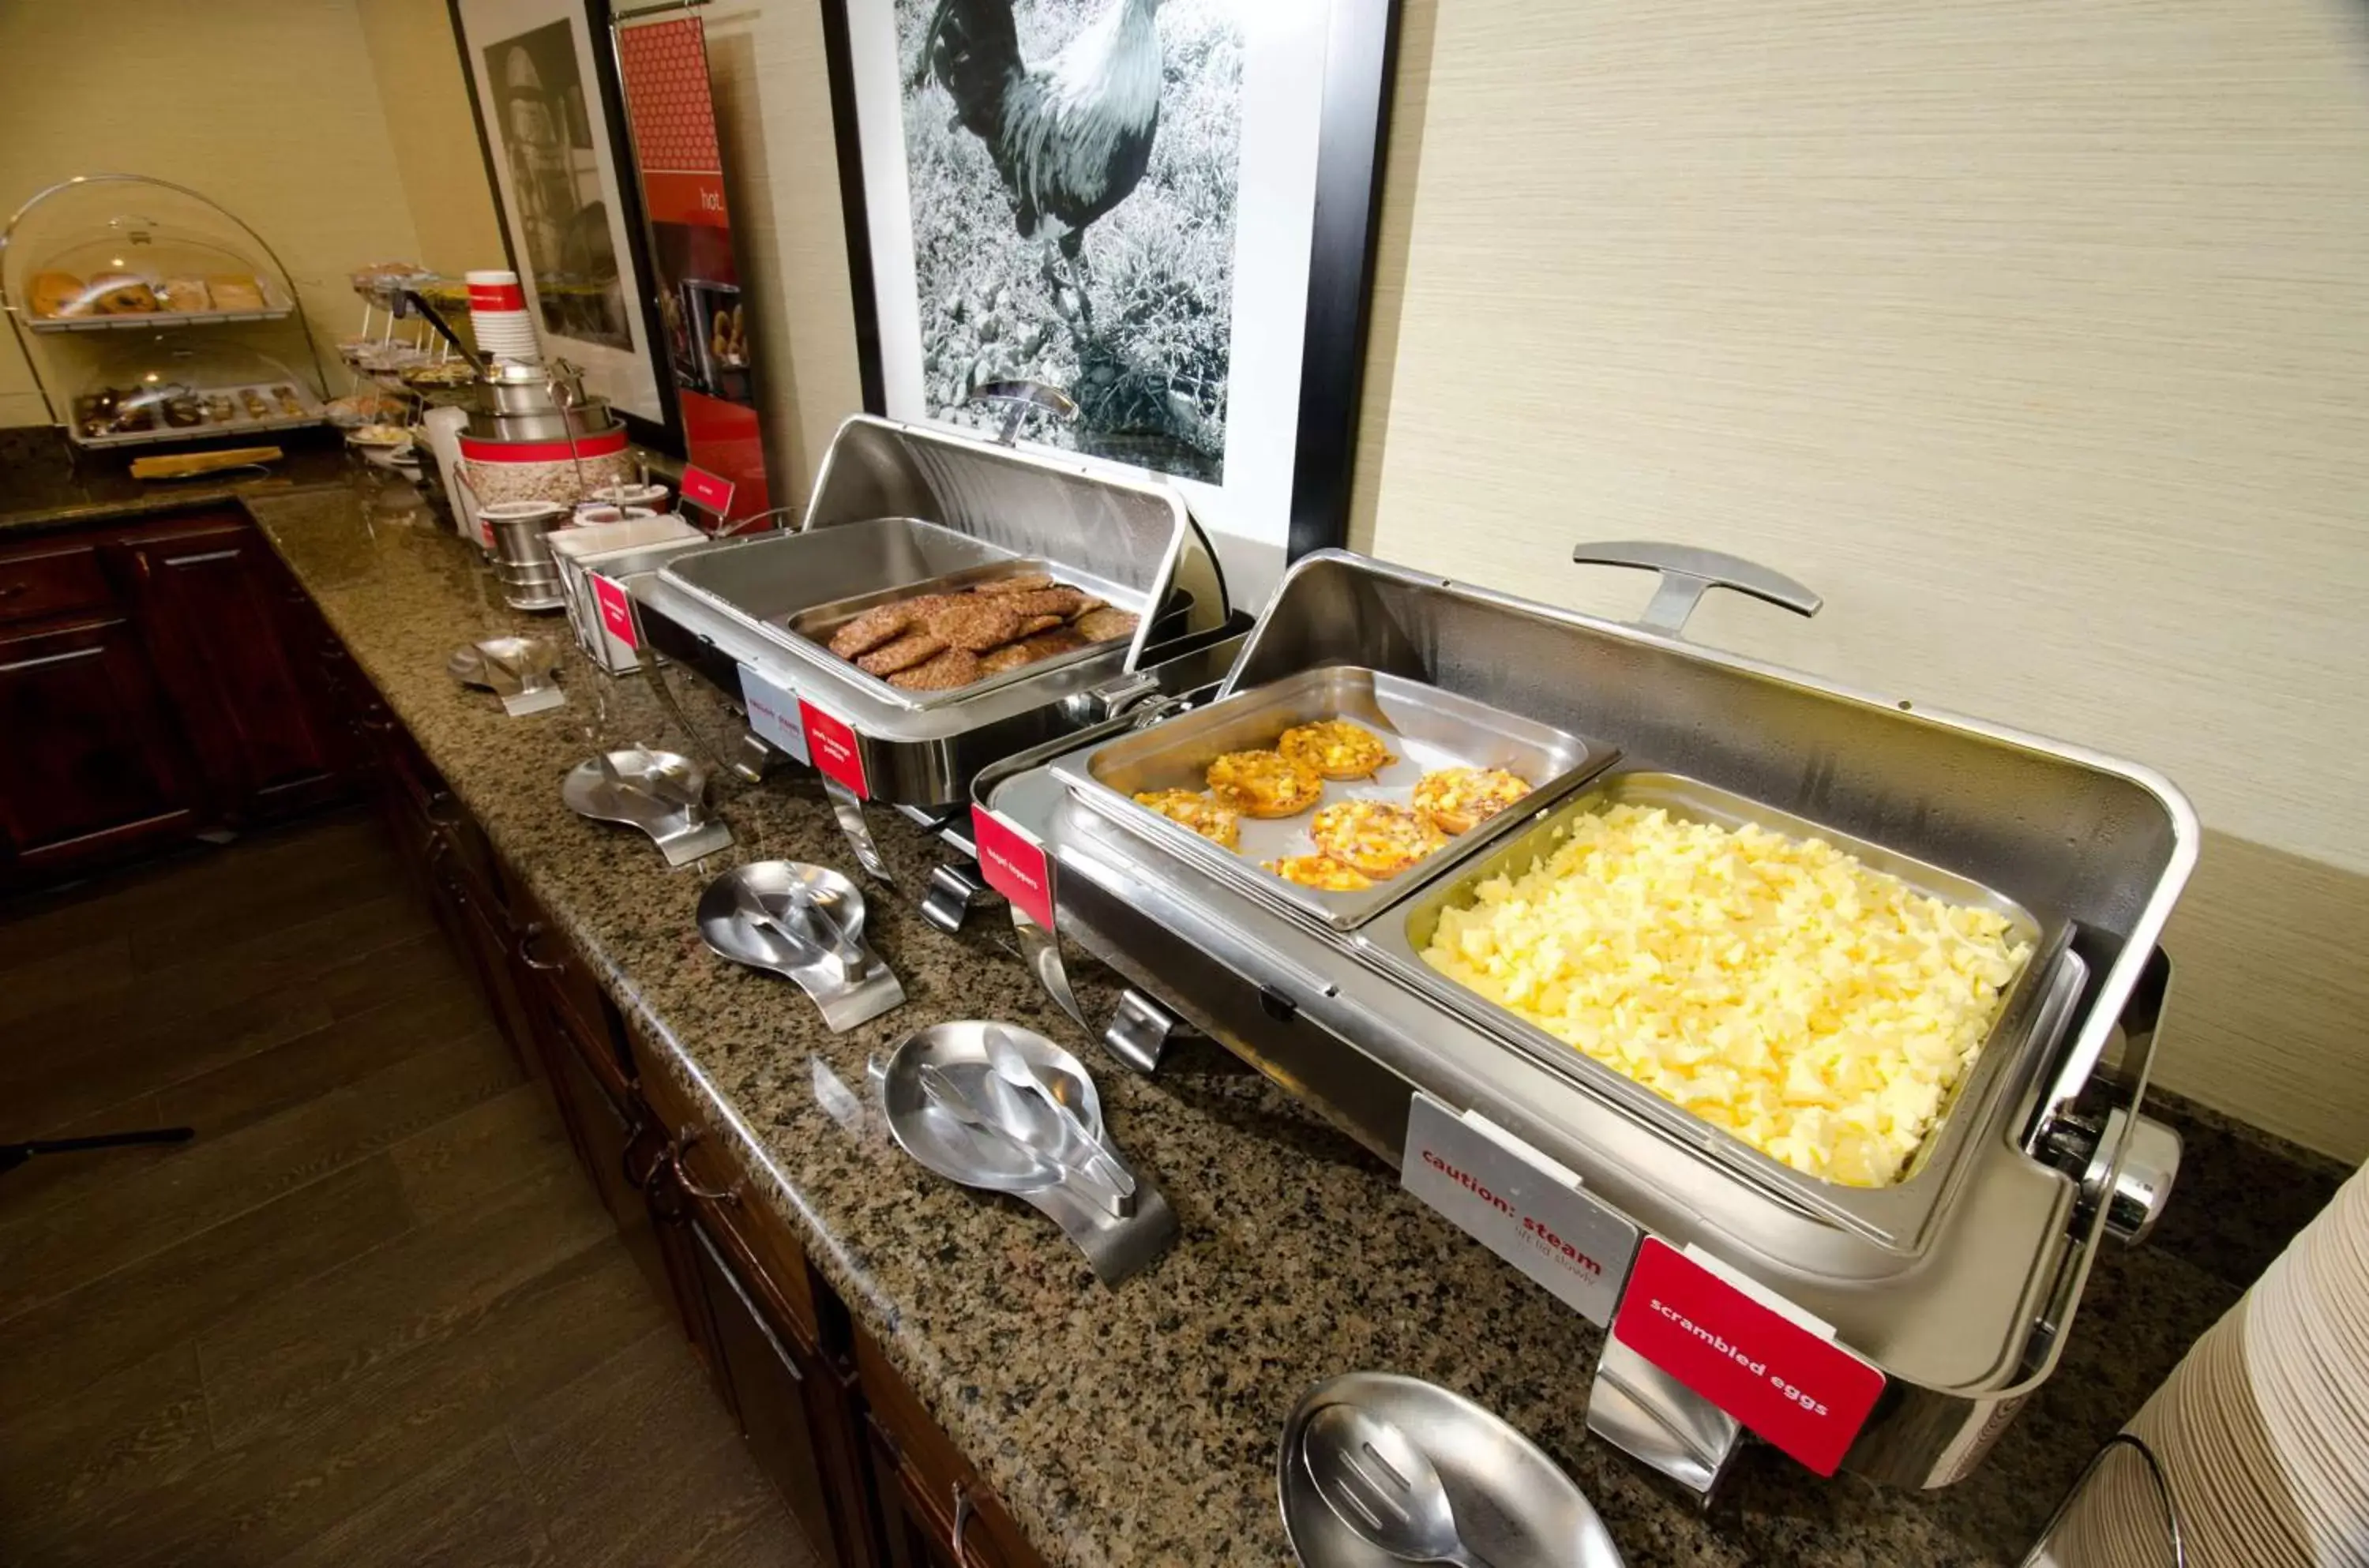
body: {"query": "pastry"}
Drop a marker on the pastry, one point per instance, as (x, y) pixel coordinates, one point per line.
(1263, 783)
(1377, 837)
(1336, 748)
(1029, 628)
(1217, 822)
(1320, 872)
(290, 404)
(1088, 602)
(1060, 602)
(257, 408)
(183, 411)
(903, 652)
(236, 290)
(1056, 640)
(1011, 655)
(1026, 583)
(186, 295)
(59, 293)
(1458, 800)
(121, 294)
(870, 629)
(956, 667)
(1104, 625)
(975, 624)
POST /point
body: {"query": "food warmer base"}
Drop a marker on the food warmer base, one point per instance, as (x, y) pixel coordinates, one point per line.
(1962, 1313)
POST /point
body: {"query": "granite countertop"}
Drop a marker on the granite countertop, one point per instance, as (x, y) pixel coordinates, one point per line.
(46, 483)
(1138, 1424)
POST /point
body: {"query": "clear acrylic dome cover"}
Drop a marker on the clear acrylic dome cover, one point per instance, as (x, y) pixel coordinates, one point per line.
(90, 247)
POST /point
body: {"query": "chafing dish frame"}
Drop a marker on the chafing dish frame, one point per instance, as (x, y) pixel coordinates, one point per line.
(921, 760)
(1964, 1329)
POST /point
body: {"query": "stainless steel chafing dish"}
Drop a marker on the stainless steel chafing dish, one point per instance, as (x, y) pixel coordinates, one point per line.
(1959, 1281)
(897, 507)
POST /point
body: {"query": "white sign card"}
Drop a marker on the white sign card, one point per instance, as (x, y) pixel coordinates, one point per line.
(1532, 1212)
(773, 713)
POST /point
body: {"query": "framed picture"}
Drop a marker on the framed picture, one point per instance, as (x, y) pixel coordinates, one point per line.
(1161, 208)
(543, 77)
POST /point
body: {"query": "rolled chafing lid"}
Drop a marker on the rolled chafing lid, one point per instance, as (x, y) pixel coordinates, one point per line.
(1110, 522)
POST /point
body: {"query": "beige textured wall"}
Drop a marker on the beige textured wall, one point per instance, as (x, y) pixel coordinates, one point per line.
(431, 133)
(2031, 333)
(270, 107)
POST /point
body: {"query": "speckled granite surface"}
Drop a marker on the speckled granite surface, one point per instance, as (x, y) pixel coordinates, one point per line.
(45, 483)
(1139, 1425)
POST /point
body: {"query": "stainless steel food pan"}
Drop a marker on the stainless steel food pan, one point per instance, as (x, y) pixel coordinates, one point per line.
(1897, 1215)
(817, 623)
(1425, 728)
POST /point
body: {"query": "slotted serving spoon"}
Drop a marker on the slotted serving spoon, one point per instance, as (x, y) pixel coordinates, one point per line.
(1384, 1487)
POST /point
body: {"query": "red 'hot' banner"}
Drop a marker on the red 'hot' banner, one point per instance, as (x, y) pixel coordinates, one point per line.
(708, 342)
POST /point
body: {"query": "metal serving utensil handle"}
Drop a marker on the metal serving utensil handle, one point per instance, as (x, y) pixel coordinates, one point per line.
(1688, 573)
(1017, 398)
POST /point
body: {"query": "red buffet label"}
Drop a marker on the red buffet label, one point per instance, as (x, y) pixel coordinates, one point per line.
(1013, 866)
(834, 746)
(616, 610)
(496, 296)
(706, 489)
(1794, 1386)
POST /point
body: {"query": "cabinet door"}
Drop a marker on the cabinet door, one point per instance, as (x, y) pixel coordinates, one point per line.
(90, 763)
(215, 626)
(767, 1377)
(920, 1529)
(619, 1146)
(488, 943)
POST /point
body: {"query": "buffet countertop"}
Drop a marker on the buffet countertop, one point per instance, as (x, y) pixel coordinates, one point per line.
(46, 484)
(1138, 1424)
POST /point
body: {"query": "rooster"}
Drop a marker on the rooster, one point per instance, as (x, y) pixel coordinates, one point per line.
(1072, 138)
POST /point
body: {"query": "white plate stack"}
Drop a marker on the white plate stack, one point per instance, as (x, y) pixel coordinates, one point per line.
(2262, 1430)
(498, 317)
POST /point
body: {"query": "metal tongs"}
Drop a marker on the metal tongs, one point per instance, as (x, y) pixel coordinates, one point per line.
(841, 960)
(660, 788)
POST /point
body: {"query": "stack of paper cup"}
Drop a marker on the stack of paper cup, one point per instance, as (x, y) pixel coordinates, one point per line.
(498, 315)
(2262, 1431)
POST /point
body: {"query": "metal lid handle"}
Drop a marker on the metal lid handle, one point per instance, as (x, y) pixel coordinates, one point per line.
(1688, 573)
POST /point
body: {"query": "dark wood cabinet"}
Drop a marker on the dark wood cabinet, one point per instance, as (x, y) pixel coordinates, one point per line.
(154, 686)
(771, 1380)
(95, 763)
(870, 1479)
(209, 605)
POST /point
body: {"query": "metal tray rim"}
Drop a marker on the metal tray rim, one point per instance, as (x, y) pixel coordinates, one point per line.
(884, 691)
(1077, 770)
(1898, 1214)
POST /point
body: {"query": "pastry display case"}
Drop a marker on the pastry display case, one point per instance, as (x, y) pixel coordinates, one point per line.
(150, 314)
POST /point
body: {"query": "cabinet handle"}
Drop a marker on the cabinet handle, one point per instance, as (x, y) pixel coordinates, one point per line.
(229, 554)
(444, 798)
(963, 1511)
(675, 1152)
(526, 951)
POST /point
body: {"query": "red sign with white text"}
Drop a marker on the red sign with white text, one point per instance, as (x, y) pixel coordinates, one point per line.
(706, 489)
(496, 296)
(1013, 866)
(616, 610)
(1786, 1382)
(834, 746)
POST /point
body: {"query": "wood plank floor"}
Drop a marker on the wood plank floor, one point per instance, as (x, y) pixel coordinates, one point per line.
(373, 1314)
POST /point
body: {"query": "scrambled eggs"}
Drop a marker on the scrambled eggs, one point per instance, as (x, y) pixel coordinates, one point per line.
(1818, 1009)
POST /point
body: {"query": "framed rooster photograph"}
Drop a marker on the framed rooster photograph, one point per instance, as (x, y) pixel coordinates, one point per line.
(1153, 217)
